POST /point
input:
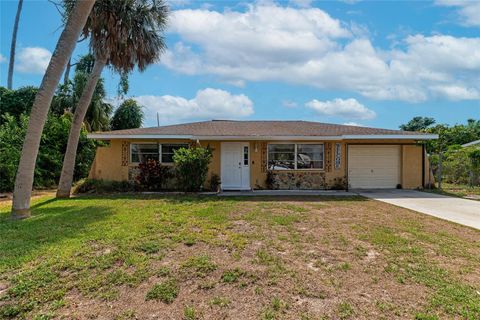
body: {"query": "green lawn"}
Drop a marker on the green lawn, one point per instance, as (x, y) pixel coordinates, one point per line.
(188, 257)
(460, 190)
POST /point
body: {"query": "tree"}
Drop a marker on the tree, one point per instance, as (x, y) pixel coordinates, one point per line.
(16, 102)
(128, 116)
(43, 99)
(14, 44)
(418, 124)
(50, 154)
(453, 135)
(98, 113)
(123, 34)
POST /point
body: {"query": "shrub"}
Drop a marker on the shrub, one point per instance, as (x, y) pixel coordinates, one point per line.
(103, 186)
(339, 183)
(269, 182)
(153, 175)
(460, 165)
(191, 166)
(214, 182)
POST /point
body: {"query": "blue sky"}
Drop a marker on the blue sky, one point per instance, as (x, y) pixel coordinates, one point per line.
(358, 62)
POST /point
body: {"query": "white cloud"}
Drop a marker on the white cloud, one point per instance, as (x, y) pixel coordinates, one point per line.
(2, 58)
(345, 108)
(469, 10)
(307, 46)
(33, 60)
(457, 93)
(355, 124)
(207, 104)
(289, 104)
(239, 38)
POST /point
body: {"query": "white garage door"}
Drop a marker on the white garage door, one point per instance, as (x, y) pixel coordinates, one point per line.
(373, 166)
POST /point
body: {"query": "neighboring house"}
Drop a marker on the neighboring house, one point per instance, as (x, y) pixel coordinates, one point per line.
(298, 154)
(475, 143)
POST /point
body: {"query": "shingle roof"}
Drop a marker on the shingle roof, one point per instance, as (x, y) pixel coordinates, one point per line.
(258, 128)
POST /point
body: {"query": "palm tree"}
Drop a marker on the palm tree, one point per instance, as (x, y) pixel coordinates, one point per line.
(98, 113)
(14, 45)
(124, 34)
(43, 99)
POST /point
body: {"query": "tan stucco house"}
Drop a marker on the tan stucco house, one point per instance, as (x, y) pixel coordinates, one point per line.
(294, 154)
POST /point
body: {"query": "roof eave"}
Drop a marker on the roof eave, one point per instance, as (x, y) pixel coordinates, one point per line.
(391, 136)
(106, 136)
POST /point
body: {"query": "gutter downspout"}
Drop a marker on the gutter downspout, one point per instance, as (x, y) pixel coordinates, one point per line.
(346, 166)
(423, 166)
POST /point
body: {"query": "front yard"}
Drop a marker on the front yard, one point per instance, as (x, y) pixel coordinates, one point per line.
(152, 257)
(460, 190)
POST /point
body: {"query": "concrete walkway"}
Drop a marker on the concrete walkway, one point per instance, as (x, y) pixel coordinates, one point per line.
(335, 193)
(462, 211)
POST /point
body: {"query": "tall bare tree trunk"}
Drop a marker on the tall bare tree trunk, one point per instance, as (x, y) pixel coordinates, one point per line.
(13, 45)
(43, 99)
(66, 178)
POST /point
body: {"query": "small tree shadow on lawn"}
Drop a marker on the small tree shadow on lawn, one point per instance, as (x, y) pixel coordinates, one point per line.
(22, 240)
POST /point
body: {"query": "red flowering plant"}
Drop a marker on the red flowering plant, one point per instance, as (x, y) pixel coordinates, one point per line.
(153, 175)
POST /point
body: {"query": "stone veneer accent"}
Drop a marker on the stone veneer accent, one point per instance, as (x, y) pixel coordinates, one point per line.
(300, 180)
(125, 149)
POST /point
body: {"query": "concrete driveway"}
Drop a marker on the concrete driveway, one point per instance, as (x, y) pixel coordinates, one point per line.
(462, 211)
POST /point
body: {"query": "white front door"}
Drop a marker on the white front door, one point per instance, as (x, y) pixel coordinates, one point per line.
(235, 166)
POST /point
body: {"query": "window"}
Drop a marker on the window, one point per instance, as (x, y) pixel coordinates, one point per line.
(281, 156)
(141, 152)
(168, 150)
(309, 156)
(338, 155)
(245, 156)
(295, 156)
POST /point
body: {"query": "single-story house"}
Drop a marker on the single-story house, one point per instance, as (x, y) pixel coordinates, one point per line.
(293, 154)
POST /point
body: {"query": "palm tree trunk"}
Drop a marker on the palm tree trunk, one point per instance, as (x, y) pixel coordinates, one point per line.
(63, 51)
(13, 45)
(66, 178)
